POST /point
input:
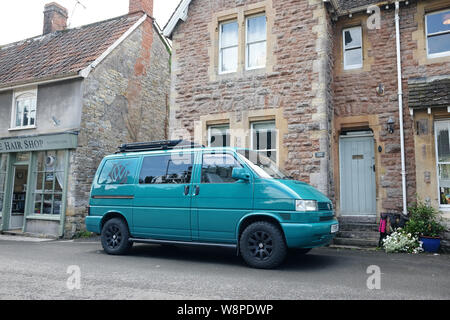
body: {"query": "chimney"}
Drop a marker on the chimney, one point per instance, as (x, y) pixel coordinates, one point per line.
(55, 17)
(144, 6)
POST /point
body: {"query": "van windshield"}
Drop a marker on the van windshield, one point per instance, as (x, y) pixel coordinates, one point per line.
(263, 166)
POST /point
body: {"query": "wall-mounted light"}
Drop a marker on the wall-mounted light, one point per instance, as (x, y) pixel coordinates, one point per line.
(390, 125)
(380, 89)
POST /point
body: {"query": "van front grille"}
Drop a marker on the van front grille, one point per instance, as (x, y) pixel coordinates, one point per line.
(325, 206)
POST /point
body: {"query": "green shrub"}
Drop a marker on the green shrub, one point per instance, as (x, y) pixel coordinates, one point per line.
(424, 221)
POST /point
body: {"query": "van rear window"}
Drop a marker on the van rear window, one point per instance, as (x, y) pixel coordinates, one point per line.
(120, 171)
(167, 169)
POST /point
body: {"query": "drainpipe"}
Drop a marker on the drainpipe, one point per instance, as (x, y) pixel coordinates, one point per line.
(400, 105)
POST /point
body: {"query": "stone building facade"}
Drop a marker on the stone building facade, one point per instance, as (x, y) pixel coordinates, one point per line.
(109, 86)
(328, 89)
(292, 89)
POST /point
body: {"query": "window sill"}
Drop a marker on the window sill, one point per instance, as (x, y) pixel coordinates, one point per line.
(44, 217)
(22, 128)
(355, 68)
(438, 55)
(242, 73)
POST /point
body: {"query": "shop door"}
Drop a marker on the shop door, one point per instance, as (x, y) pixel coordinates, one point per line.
(357, 167)
(17, 216)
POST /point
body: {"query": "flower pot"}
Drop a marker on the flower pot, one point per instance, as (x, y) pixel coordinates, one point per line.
(430, 244)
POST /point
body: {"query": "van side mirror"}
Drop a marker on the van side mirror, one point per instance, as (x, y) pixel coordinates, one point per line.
(241, 174)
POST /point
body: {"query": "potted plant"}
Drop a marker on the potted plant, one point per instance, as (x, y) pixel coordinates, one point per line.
(425, 222)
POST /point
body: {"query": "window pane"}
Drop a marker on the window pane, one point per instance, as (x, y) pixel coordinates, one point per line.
(438, 22)
(439, 44)
(218, 168)
(229, 59)
(38, 204)
(118, 171)
(353, 58)
(256, 29)
(444, 183)
(47, 204)
(169, 169)
(257, 54)
(219, 136)
(443, 142)
(23, 156)
(264, 136)
(19, 113)
(25, 113)
(39, 181)
(352, 38)
(229, 34)
(57, 204)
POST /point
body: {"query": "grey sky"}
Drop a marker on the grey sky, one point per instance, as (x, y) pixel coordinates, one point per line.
(21, 19)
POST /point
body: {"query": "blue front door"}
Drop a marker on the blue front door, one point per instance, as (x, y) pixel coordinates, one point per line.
(357, 167)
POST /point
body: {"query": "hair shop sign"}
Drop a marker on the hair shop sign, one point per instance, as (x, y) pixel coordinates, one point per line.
(39, 143)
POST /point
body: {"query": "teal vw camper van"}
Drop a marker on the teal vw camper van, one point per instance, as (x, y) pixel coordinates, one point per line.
(174, 192)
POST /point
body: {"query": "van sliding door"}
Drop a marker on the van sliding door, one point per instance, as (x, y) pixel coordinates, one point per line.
(162, 203)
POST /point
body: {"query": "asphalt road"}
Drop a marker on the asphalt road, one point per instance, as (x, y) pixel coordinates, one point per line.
(38, 270)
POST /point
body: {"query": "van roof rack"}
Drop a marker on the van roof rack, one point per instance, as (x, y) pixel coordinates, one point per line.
(158, 145)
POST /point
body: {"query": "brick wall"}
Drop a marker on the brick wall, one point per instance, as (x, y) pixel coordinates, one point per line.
(125, 100)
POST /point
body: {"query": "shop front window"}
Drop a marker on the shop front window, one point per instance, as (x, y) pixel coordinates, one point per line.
(48, 192)
(3, 161)
(443, 160)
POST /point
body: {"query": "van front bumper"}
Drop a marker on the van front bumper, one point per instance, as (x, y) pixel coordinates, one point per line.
(309, 235)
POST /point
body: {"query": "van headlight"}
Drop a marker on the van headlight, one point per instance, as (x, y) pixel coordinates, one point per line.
(306, 205)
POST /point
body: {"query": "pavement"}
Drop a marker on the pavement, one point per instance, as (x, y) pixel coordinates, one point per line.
(80, 270)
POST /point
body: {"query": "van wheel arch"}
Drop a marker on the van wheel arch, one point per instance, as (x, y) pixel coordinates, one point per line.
(112, 215)
(257, 218)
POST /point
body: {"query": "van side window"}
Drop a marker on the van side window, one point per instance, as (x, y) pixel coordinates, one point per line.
(118, 171)
(167, 169)
(218, 168)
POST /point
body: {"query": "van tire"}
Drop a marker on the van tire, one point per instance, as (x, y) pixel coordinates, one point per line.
(115, 237)
(262, 245)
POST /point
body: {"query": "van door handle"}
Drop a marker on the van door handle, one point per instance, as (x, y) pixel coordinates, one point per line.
(197, 191)
(186, 190)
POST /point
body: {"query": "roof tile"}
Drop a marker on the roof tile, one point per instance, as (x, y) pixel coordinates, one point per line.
(60, 53)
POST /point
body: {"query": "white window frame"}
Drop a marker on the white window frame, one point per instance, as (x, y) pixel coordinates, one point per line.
(218, 126)
(221, 24)
(19, 94)
(435, 55)
(445, 207)
(247, 43)
(356, 66)
(252, 126)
